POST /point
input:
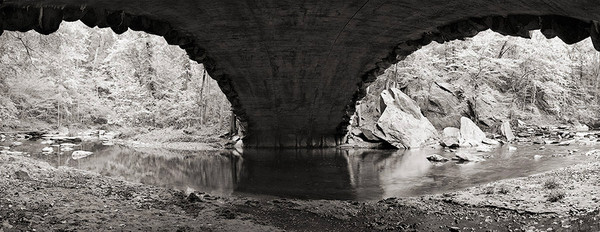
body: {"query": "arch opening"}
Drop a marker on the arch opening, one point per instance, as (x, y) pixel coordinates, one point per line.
(81, 80)
(568, 30)
(47, 19)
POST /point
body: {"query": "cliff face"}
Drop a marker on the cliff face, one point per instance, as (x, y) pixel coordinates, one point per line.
(294, 70)
(492, 78)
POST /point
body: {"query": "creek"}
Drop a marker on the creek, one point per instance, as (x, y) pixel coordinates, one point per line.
(354, 174)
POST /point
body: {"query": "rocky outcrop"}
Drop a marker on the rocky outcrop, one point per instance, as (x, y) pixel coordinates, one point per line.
(402, 124)
(488, 107)
(441, 105)
(470, 134)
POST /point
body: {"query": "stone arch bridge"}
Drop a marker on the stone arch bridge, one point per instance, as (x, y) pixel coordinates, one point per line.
(293, 70)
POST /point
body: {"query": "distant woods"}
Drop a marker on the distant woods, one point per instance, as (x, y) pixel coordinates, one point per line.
(81, 76)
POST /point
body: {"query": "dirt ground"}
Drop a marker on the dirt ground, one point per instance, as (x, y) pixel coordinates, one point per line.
(37, 197)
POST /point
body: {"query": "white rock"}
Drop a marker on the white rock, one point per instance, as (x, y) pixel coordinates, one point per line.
(565, 143)
(17, 143)
(67, 145)
(451, 137)
(17, 153)
(463, 156)
(484, 149)
(581, 127)
(437, 158)
(80, 154)
(470, 133)
(239, 144)
(47, 149)
(507, 131)
(108, 143)
(402, 123)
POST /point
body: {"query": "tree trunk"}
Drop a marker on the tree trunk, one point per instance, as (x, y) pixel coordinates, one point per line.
(358, 113)
(58, 114)
(232, 124)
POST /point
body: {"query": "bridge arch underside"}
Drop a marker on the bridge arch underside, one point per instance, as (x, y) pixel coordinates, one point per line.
(293, 70)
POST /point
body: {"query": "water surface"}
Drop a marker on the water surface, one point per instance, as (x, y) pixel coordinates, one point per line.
(311, 174)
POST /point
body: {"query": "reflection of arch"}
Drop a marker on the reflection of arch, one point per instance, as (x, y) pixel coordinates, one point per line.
(569, 30)
(47, 20)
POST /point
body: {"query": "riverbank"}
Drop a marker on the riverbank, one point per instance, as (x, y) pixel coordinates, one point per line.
(38, 196)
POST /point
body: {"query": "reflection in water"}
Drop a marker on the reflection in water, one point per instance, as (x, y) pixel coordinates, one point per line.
(208, 171)
(403, 171)
(320, 174)
(312, 174)
(213, 172)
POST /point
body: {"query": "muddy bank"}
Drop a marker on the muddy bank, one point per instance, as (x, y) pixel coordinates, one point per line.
(38, 196)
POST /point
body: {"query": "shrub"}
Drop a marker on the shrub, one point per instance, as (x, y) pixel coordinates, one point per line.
(491, 190)
(551, 184)
(503, 190)
(488, 190)
(555, 196)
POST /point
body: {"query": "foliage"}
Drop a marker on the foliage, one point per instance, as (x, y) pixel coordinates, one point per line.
(556, 195)
(503, 189)
(551, 184)
(81, 76)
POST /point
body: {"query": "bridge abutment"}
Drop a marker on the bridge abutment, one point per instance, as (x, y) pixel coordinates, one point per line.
(273, 139)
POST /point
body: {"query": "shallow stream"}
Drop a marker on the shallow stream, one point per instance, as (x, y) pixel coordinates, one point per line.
(311, 174)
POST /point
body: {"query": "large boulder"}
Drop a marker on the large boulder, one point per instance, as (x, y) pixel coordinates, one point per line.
(450, 137)
(470, 134)
(401, 123)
